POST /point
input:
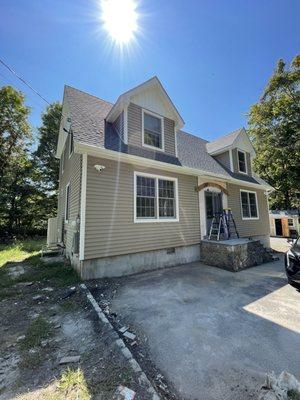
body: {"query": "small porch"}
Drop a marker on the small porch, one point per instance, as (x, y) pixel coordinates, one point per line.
(234, 254)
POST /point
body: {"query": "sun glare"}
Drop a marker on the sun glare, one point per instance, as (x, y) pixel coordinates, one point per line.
(120, 19)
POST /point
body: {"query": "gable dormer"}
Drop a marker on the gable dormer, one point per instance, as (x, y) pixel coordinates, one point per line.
(234, 151)
(145, 117)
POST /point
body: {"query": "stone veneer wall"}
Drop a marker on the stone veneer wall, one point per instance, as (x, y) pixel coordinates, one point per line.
(234, 257)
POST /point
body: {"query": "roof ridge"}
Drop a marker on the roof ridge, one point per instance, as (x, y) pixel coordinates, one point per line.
(228, 134)
(91, 95)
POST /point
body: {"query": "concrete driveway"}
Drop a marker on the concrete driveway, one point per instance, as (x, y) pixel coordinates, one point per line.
(214, 334)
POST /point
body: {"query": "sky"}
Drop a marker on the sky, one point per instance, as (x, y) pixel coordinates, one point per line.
(213, 57)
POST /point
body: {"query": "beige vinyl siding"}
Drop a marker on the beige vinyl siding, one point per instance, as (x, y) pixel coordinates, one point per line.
(119, 125)
(72, 174)
(224, 159)
(110, 227)
(235, 161)
(135, 129)
(249, 227)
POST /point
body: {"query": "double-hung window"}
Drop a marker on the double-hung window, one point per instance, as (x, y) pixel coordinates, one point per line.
(249, 205)
(153, 127)
(156, 198)
(242, 162)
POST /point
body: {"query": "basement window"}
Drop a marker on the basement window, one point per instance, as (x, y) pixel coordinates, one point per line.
(156, 198)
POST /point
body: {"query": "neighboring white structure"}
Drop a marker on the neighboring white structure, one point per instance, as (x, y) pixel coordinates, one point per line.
(284, 223)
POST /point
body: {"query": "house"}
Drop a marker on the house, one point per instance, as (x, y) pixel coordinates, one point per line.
(137, 192)
(284, 223)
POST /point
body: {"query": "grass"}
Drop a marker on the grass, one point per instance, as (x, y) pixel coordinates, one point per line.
(72, 385)
(18, 251)
(38, 330)
(35, 269)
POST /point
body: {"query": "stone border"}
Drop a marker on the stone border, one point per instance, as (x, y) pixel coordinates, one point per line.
(122, 346)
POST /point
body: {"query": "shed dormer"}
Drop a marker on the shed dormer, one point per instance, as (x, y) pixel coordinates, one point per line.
(146, 117)
(234, 151)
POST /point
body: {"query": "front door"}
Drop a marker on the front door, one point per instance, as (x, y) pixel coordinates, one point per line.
(278, 227)
(213, 203)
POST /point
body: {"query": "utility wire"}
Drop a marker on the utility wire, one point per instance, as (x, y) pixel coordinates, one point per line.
(23, 80)
(11, 70)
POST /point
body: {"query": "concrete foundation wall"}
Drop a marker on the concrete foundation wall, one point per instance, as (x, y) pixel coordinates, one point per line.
(138, 262)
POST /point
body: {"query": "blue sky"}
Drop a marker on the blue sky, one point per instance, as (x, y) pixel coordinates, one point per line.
(213, 57)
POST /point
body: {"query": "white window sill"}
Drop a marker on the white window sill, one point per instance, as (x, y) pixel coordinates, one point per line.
(155, 220)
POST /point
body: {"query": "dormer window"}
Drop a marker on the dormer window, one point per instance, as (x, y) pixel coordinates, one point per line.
(242, 162)
(153, 127)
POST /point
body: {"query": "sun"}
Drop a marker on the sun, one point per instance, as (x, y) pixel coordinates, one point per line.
(120, 19)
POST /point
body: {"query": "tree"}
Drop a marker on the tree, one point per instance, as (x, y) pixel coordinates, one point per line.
(14, 126)
(274, 126)
(45, 154)
(28, 195)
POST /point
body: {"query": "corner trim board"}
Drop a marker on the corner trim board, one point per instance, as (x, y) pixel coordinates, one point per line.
(83, 207)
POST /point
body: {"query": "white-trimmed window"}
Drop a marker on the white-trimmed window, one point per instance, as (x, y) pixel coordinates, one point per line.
(249, 205)
(153, 130)
(155, 198)
(71, 144)
(242, 162)
(67, 203)
(290, 222)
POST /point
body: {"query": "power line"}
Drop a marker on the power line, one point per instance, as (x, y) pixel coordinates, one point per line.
(10, 69)
(23, 80)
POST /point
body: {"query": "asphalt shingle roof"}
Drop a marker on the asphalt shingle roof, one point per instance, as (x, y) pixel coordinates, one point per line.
(223, 141)
(88, 115)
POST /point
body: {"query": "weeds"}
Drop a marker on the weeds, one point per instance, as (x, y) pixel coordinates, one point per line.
(37, 331)
(73, 385)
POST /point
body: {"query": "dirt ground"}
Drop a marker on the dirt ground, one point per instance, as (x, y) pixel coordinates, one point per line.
(45, 316)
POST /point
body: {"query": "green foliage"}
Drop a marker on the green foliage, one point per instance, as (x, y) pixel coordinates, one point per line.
(45, 153)
(14, 126)
(29, 182)
(274, 125)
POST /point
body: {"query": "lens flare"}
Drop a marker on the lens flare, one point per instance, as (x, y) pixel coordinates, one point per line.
(120, 19)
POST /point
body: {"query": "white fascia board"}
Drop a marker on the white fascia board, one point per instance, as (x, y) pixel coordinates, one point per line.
(95, 151)
(124, 100)
(233, 145)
